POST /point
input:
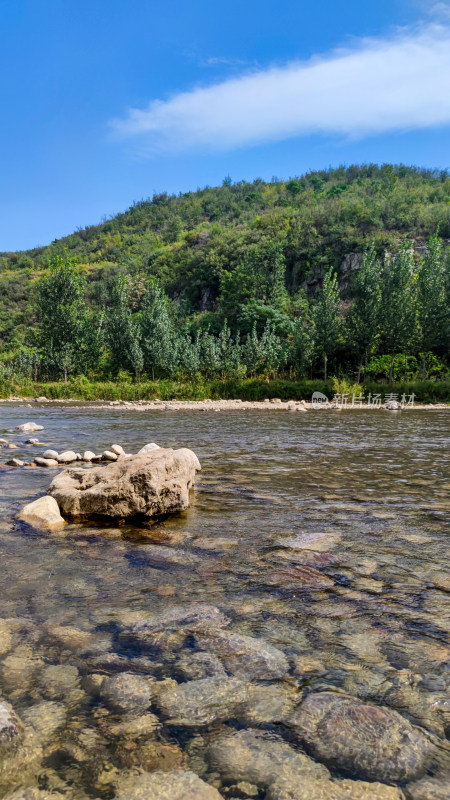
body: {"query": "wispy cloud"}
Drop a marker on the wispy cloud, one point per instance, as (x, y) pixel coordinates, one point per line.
(438, 10)
(215, 61)
(376, 86)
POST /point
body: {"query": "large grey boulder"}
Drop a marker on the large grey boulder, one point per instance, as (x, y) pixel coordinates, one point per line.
(173, 785)
(153, 484)
(361, 739)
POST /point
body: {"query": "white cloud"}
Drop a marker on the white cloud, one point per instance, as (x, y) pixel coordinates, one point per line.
(377, 86)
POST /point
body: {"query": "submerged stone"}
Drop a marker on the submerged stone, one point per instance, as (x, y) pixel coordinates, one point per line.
(46, 718)
(245, 655)
(203, 702)
(194, 666)
(430, 788)
(284, 789)
(260, 758)
(173, 785)
(365, 740)
(127, 693)
(11, 728)
(186, 619)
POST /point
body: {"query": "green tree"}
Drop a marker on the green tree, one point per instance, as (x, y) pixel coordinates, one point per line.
(62, 316)
(326, 319)
(122, 330)
(399, 306)
(157, 335)
(364, 315)
(433, 311)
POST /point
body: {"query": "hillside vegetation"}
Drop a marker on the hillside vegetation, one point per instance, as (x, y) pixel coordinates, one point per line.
(244, 279)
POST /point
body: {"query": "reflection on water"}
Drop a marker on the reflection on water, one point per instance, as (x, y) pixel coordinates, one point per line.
(320, 536)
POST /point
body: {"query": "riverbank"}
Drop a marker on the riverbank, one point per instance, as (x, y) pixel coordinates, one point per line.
(245, 390)
(276, 404)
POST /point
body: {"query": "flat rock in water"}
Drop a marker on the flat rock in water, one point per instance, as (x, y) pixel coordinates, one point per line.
(360, 739)
(45, 462)
(199, 703)
(51, 454)
(319, 542)
(173, 785)
(245, 656)
(46, 718)
(10, 729)
(158, 556)
(149, 485)
(296, 576)
(261, 758)
(42, 513)
(29, 427)
(58, 680)
(189, 619)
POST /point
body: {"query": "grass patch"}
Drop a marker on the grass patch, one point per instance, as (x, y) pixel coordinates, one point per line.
(243, 389)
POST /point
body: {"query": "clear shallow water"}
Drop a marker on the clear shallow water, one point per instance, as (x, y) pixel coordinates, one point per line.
(325, 535)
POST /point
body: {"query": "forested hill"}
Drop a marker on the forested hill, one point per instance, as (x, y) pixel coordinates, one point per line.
(203, 245)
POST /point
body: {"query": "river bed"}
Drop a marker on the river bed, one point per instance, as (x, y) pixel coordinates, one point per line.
(323, 537)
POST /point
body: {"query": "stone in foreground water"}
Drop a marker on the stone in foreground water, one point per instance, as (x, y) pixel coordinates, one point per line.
(10, 728)
(260, 758)
(127, 693)
(203, 702)
(174, 785)
(362, 740)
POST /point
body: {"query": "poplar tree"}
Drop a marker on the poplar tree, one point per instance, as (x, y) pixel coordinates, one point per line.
(363, 319)
(399, 307)
(326, 320)
(157, 335)
(62, 316)
(433, 311)
(122, 330)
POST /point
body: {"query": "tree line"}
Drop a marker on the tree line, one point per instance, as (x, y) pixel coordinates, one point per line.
(213, 249)
(398, 306)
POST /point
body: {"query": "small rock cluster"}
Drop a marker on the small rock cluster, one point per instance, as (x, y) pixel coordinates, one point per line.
(155, 482)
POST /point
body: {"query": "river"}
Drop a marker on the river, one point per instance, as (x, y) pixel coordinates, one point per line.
(323, 535)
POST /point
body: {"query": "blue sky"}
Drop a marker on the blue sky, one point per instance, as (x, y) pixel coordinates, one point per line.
(106, 102)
